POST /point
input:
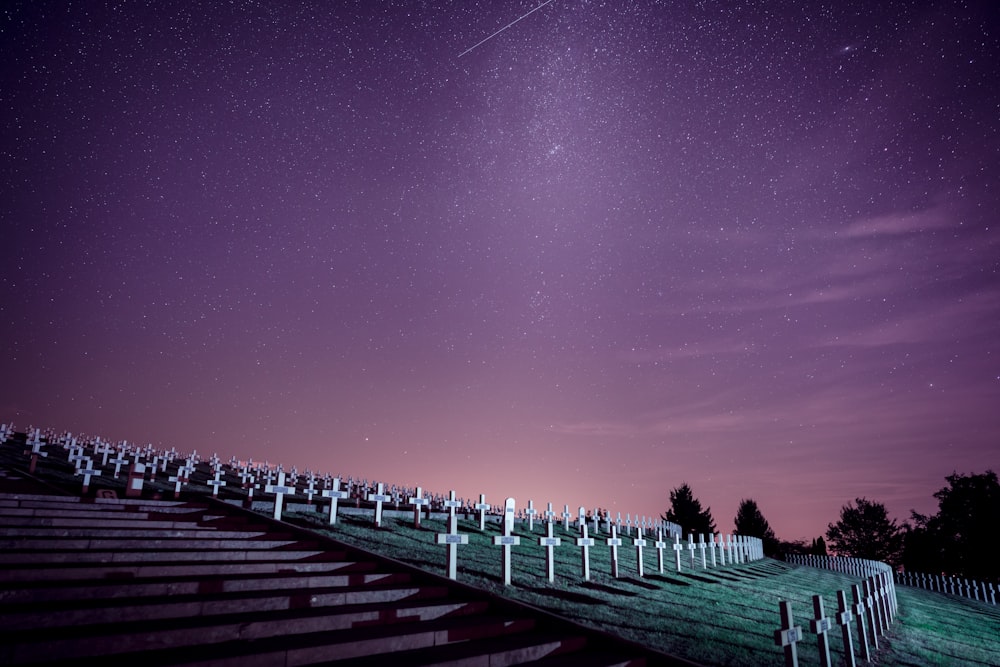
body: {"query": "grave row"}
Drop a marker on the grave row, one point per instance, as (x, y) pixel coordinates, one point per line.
(855, 567)
(873, 610)
(722, 550)
(93, 457)
(974, 590)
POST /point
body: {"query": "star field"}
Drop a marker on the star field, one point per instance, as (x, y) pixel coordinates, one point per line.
(616, 247)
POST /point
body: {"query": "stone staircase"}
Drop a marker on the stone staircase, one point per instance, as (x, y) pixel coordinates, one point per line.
(152, 582)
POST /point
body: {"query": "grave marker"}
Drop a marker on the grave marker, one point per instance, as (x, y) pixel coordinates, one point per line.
(678, 548)
(216, 483)
(310, 490)
(566, 515)
(585, 543)
(87, 473)
(119, 461)
(711, 547)
(335, 494)
(531, 512)
(788, 634)
(451, 503)
(691, 546)
(860, 609)
(452, 539)
(549, 514)
(419, 502)
(660, 546)
(820, 625)
(701, 548)
(36, 452)
(136, 477)
(844, 618)
(614, 542)
(482, 506)
(279, 490)
(596, 518)
(549, 542)
(507, 540)
(639, 543)
(378, 498)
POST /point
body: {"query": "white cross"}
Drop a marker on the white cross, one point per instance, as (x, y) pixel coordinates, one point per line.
(87, 473)
(216, 483)
(334, 494)
(119, 461)
(788, 634)
(451, 504)
(103, 449)
(549, 542)
(701, 547)
(482, 506)
(678, 548)
(860, 610)
(585, 543)
(507, 540)
(843, 619)
(614, 542)
(820, 626)
(310, 490)
(660, 546)
(691, 547)
(378, 498)
(566, 516)
(279, 490)
(549, 513)
(639, 543)
(179, 479)
(418, 501)
(582, 516)
(452, 539)
(531, 512)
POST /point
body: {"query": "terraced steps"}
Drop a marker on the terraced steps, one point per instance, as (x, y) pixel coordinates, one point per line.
(147, 582)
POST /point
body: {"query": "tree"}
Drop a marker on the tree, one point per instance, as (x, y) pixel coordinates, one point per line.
(818, 547)
(866, 531)
(958, 539)
(750, 521)
(685, 510)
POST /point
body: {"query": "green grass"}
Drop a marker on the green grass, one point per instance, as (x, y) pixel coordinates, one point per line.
(718, 616)
(721, 616)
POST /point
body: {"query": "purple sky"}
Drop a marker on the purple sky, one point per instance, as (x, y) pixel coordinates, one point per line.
(617, 247)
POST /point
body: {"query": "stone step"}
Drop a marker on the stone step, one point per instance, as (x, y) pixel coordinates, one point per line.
(38, 557)
(43, 595)
(143, 544)
(186, 600)
(102, 514)
(104, 522)
(47, 498)
(507, 650)
(139, 533)
(302, 637)
(124, 572)
(69, 505)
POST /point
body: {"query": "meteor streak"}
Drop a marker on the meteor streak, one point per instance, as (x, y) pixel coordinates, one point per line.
(504, 28)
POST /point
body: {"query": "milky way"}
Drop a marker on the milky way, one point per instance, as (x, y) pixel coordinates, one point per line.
(617, 247)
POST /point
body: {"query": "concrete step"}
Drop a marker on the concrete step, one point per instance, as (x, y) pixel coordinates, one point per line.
(12, 557)
(94, 592)
(48, 498)
(123, 572)
(139, 533)
(207, 542)
(300, 637)
(184, 602)
(180, 513)
(102, 521)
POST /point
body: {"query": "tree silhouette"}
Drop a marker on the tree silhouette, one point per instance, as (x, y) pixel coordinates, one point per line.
(750, 521)
(957, 539)
(818, 547)
(866, 531)
(685, 510)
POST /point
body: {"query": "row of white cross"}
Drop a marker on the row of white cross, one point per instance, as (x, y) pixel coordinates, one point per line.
(874, 607)
(975, 590)
(734, 548)
(144, 464)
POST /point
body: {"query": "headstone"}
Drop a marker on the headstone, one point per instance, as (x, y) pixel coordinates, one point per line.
(531, 512)
(87, 473)
(585, 542)
(788, 634)
(639, 543)
(335, 494)
(451, 503)
(279, 490)
(596, 518)
(549, 542)
(452, 539)
(136, 478)
(419, 502)
(660, 546)
(507, 540)
(860, 610)
(216, 482)
(820, 625)
(678, 548)
(614, 542)
(844, 618)
(482, 506)
(378, 498)
(582, 516)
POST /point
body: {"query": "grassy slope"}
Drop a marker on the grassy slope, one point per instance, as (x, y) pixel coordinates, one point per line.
(720, 616)
(723, 616)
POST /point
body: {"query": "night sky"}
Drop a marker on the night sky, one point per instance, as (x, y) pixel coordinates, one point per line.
(616, 247)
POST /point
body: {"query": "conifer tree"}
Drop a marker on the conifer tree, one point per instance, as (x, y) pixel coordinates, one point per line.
(750, 521)
(685, 510)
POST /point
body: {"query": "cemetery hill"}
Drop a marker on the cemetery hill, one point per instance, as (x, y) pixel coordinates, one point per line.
(572, 582)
